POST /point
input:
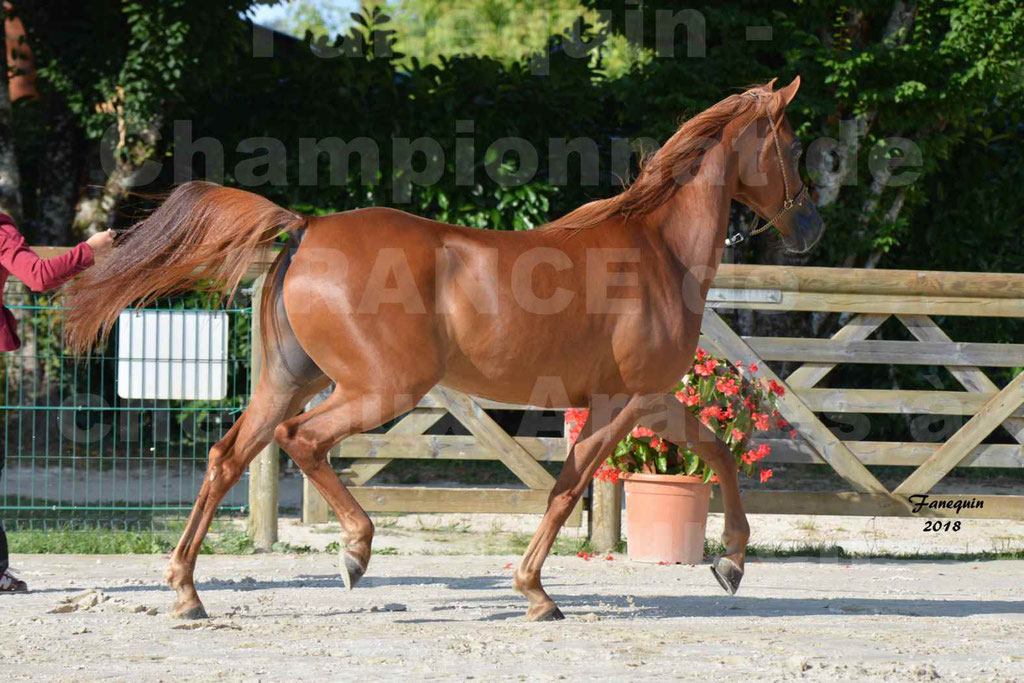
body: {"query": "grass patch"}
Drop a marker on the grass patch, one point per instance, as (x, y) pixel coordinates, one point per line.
(517, 543)
(455, 526)
(122, 542)
(232, 541)
(335, 547)
(90, 542)
(759, 552)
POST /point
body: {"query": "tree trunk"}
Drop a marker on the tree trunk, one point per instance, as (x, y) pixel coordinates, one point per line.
(98, 207)
(10, 177)
(58, 180)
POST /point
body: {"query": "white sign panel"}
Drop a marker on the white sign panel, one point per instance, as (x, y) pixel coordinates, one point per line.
(172, 355)
(725, 295)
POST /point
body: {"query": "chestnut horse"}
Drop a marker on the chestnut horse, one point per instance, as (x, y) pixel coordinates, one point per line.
(601, 309)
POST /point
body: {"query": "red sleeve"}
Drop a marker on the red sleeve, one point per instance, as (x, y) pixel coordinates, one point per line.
(40, 274)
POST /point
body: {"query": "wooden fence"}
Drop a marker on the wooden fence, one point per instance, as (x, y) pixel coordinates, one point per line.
(872, 297)
(865, 298)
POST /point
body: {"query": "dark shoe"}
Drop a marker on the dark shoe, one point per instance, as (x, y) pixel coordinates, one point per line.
(9, 583)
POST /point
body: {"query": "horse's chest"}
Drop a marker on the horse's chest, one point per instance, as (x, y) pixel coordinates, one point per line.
(659, 351)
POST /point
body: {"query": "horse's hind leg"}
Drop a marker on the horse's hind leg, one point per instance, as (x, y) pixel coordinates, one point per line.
(288, 379)
(308, 437)
(228, 459)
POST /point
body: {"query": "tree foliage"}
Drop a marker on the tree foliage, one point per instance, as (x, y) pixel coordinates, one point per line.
(944, 74)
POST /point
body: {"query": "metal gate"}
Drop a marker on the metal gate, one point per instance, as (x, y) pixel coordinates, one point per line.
(79, 453)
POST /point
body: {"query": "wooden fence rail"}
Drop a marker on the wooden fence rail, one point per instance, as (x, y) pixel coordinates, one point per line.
(865, 300)
(876, 296)
(868, 299)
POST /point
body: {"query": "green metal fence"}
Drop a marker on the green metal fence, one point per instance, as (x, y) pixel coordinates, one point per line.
(83, 450)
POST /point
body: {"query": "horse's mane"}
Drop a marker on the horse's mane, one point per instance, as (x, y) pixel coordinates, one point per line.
(675, 163)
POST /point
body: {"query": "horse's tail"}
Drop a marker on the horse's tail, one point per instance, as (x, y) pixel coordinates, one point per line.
(203, 236)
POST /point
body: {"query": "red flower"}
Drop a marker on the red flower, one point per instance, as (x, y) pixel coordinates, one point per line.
(737, 434)
(714, 479)
(792, 433)
(777, 388)
(576, 415)
(691, 399)
(575, 419)
(753, 367)
(781, 423)
(752, 455)
(659, 445)
(701, 354)
(607, 473)
(707, 413)
(609, 558)
(706, 368)
(641, 432)
(765, 475)
(727, 386)
(761, 421)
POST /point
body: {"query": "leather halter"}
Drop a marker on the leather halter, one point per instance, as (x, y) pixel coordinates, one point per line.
(787, 205)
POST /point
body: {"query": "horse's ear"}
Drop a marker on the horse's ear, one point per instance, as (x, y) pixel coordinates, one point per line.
(787, 94)
(770, 85)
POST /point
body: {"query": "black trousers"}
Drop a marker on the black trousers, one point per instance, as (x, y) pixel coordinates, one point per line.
(4, 558)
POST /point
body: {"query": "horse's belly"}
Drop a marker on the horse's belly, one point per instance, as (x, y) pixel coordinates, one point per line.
(569, 371)
(558, 381)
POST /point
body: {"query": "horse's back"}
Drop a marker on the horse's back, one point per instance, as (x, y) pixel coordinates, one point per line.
(487, 312)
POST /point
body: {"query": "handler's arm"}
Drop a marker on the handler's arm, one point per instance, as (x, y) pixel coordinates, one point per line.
(40, 274)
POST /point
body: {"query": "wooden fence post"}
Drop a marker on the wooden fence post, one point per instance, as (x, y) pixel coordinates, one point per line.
(264, 471)
(605, 516)
(314, 506)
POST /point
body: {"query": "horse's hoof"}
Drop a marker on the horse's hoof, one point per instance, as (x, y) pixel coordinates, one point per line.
(550, 614)
(192, 613)
(351, 570)
(728, 574)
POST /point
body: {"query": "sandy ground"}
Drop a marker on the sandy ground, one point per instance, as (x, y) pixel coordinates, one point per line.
(452, 617)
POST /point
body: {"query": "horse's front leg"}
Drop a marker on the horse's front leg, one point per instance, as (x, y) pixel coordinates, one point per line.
(681, 427)
(597, 439)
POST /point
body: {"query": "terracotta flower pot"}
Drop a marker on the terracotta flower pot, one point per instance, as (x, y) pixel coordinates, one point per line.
(666, 515)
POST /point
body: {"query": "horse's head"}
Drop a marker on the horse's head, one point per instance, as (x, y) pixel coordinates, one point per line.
(770, 181)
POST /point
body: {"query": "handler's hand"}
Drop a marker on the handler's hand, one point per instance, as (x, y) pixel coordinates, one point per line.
(101, 241)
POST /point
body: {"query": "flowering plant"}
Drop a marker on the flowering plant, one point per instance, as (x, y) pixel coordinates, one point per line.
(727, 397)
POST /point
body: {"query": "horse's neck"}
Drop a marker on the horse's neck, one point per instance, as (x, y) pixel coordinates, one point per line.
(694, 222)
